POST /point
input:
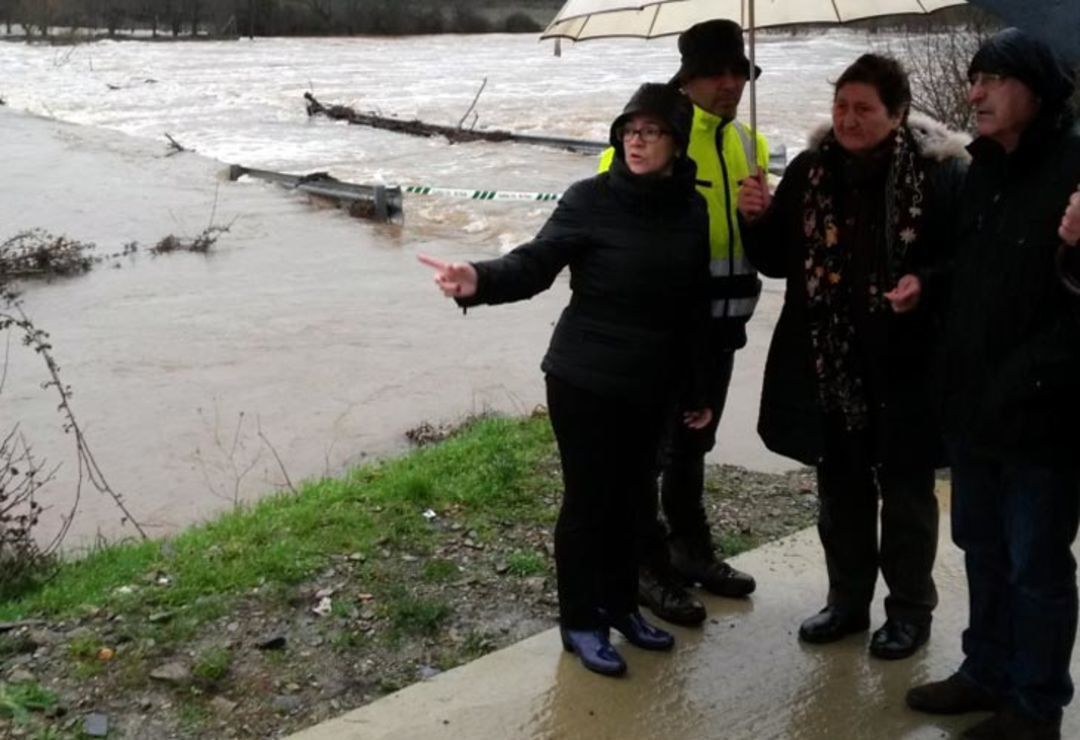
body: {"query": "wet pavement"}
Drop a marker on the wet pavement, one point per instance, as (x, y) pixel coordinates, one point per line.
(743, 676)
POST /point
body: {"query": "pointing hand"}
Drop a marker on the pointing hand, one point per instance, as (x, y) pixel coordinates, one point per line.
(455, 279)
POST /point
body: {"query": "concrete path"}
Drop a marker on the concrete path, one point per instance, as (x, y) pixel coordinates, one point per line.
(744, 676)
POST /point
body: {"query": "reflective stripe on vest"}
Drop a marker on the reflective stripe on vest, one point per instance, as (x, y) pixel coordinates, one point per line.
(746, 138)
(723, 152)
(738, 266)
(736, 308)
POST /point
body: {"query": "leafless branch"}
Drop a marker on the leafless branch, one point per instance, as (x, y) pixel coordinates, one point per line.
(175, 147)
(273, 450)
(479, 92)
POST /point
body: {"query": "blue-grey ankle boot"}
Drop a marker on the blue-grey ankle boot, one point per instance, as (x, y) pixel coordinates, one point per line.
(595, 650)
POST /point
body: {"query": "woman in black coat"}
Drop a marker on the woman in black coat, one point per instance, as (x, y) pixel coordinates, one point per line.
(624, 353)
(855, 227)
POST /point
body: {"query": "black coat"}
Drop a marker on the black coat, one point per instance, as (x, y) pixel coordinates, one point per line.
(1012, 352)
(895, 351)
(638, 252)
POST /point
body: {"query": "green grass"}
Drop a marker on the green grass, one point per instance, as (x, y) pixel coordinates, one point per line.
(495, 470)
(212, 665)
(733, 544)
(416, 616)
(525, 564)
(18, 700)
(85, 647)
(439, 570)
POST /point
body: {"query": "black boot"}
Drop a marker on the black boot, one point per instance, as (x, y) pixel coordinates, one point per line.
(697, 563)
(662, 591)
(957, 694)
(898, 639)
(832, 624)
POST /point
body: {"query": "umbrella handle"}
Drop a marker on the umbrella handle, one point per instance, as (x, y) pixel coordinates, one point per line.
(754, 169)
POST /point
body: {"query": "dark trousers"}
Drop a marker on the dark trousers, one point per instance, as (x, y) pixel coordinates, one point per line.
(682, 463)
(849, 486)
(1016, 524)
(608, 448)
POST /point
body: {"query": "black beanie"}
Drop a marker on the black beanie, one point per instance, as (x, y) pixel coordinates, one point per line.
(663, 101)
(1015, 54)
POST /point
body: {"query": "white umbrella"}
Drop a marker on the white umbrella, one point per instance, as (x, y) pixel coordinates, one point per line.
(596, 19)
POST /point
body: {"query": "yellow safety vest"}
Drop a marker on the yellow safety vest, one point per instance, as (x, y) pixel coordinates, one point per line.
(722, 152)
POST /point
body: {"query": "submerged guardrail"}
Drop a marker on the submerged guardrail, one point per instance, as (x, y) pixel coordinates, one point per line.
(376, 202)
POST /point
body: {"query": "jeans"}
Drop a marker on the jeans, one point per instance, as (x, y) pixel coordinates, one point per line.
(1016, 523)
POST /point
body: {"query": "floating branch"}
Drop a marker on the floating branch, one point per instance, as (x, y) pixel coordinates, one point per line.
(175, 147)
(465, 117)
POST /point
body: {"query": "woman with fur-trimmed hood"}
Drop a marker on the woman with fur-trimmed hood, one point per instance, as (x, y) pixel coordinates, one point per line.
(857, 228)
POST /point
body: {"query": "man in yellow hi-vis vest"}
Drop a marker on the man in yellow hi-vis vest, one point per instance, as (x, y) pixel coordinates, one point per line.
(713, 74)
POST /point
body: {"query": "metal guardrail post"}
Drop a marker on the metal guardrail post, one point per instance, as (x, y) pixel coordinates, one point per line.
(381, 211)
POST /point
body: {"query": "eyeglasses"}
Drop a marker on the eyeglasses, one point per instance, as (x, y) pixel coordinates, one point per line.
(648, 134)
(986, 79)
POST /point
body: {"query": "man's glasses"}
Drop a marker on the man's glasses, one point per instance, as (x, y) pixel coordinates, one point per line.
(986, 79)
(648, 134)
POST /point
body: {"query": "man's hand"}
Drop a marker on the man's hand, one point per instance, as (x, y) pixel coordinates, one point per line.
(905, 296)
(697, 419)
(1069, 231)
(754, 197)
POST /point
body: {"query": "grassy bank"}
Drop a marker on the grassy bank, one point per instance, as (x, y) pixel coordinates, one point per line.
(280, 615)
(493, 471)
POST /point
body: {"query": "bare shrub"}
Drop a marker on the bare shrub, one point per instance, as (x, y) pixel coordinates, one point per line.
(21, 477)
(36, 253)
(13, 318)
(937, 61)
(201, 244)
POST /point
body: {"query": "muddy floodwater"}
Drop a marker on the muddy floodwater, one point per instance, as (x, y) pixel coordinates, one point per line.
(306, 336)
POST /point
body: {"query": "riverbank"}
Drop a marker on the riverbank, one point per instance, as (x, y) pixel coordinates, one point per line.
(304, 335)
(283, 614)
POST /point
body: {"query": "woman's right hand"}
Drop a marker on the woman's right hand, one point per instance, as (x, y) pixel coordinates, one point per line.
(754, 197)
(455, 279)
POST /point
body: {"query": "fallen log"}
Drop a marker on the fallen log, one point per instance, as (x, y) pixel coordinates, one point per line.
(454, 135)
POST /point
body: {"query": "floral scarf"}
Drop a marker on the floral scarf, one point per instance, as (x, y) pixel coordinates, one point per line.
(841, 387)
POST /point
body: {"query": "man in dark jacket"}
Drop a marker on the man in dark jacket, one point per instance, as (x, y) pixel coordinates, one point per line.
(713, 73)
(1011, 383)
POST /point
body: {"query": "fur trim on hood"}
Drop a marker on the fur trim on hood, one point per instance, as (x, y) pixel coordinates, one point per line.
(935, 140)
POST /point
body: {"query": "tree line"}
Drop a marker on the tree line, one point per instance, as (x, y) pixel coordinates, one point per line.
(233, 18)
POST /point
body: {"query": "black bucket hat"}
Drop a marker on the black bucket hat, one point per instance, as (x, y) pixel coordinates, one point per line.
(1015, 54)
(663, 101)
(713, 47)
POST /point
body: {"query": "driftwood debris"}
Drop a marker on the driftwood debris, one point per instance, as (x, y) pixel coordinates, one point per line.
(453, 134)
(175, 147)
(472, 106)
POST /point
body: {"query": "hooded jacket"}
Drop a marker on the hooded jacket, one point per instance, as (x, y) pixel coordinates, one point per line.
(637, 249)
(896, 350)
(722, 152)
